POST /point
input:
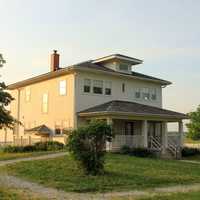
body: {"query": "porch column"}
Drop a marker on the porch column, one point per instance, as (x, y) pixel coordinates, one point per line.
(145, 133)
(109, 144)
(181, 133)
(164, 136)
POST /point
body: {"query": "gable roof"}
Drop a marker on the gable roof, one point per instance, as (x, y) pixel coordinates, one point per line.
(131, 108)
(42, 129)
(87, 65)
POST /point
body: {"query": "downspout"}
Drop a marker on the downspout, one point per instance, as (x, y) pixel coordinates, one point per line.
(75, 101)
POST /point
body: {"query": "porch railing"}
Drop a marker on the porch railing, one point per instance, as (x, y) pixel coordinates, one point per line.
(128, 140)
(155, 143)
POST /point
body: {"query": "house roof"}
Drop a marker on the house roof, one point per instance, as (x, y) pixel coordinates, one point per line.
(131, 108)
(131, 60)
(42, 130)
(87, 65)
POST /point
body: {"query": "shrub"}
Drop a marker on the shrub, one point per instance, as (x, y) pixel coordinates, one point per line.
(186, 151)
(142, 152)
(39, 146)
(125, 149)
(139, 152)
(13, 149)
(87, 146)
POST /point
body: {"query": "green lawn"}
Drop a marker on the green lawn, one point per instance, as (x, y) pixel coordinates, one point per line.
(122, 173)
(190, 141)
(11, 194)
(177, 196)
(10, 156)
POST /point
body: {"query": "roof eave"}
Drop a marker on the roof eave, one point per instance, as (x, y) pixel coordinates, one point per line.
(87, 114)
(40, 78)
(162, 82)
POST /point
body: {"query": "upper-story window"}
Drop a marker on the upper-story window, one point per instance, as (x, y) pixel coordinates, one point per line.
(97, 86)
(87, 85)
(123, 67)
(145, 93)
(123, 87)
(63, 87)
(27, 94)
(137, 93)
(153, 94)
(108, 87)
(45, 103)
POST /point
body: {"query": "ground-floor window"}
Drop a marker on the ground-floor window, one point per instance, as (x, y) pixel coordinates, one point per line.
(129, 128)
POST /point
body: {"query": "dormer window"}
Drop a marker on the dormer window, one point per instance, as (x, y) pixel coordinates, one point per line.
(123, 67)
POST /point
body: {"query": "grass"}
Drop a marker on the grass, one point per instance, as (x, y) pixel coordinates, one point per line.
(12, 194)
(11, 156)
(190, 141)
(122, 173)
(176, 196)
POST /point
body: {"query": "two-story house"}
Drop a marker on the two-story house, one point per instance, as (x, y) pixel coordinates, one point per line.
(106, 88)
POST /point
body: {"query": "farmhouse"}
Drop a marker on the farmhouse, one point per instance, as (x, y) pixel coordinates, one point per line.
(107, 88)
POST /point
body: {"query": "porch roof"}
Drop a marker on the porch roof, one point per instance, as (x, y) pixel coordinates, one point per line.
(40, 130)
(131, 108)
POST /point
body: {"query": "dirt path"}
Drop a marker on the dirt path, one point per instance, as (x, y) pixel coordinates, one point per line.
(38, 190)
(191, 161)
(54, 155)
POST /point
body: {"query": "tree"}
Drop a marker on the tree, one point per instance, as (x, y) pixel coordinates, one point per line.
(6, 120)
(87, 146)
(194, 125)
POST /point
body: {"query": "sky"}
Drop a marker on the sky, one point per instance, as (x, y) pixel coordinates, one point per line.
(163, 33)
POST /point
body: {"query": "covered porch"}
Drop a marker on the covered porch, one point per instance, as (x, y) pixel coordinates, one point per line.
(147, 133)
(139, 126)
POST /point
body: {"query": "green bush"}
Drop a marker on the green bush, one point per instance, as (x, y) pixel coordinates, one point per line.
(87, 146)
(142, 152)
(186, 152)
(125, 149)
(39, 146)
(139, 152)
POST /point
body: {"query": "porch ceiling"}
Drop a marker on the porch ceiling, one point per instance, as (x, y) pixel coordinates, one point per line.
(131, 109)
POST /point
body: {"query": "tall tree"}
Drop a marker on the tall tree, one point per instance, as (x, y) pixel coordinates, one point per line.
(6, 120)
(194, 125)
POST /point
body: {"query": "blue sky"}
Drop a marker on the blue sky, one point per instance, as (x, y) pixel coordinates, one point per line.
(164, 33)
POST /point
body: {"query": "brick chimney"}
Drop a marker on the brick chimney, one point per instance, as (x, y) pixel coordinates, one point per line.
(54, 61)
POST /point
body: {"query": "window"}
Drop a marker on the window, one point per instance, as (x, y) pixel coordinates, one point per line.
(129, 128)
(123, 87)
(27, 94)
(137, 93)
(97, 87)
(45, 103)
(145, 94)
(153, 94)
(62, 87)
(58, 131)
(123, 67)
(108, 86)
(87, 85)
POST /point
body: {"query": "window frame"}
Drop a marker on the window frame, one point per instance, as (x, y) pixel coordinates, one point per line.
(63, 88)
(97, 87)
(107, 87)
(27, 94)
(45, 103)
(85, 85)
(145, 94)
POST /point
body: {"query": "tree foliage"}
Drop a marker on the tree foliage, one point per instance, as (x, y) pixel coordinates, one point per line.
(6, 120)
(194, 125)
(87, 146)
